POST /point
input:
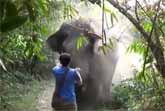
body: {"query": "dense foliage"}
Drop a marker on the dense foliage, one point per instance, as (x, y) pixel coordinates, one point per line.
(145, 93)
(24, 26)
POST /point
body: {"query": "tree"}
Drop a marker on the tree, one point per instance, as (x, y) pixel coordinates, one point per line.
(154, 15)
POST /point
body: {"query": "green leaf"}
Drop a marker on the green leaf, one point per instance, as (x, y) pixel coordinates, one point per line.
(110, 42)
(137, 47)
(147, 25)
(104, 48)
(12, 23)
(44, 30)
(112, 21)
(42, 6)
(108, 10)
(40, 57)
(114, 16)
(73, 11)
(30, 9)
(80, 41)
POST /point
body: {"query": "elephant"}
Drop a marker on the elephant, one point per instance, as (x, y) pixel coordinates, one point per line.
(97, 68)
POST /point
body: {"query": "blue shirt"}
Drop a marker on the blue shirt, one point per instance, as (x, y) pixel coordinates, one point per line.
(67, 91)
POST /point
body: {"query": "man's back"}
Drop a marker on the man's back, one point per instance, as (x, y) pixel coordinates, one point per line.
(67, 90)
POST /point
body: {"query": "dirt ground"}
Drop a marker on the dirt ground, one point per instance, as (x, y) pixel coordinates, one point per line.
(44, 100)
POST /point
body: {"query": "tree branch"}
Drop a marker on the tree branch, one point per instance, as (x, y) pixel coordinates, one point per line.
(156, 49)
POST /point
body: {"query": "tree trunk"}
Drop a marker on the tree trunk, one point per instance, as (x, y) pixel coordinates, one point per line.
(156, 48)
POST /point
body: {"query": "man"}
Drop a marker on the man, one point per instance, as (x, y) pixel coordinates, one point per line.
(64, 97)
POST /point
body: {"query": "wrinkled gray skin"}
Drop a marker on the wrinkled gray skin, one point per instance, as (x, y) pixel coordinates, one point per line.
(97, 69)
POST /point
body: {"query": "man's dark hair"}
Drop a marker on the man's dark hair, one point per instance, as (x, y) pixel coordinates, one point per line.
(65, 59)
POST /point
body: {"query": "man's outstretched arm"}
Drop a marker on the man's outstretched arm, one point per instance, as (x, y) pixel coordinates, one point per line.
(79, 78)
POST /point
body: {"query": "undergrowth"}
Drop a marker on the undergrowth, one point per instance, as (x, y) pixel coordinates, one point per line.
(18, 91)
(144, 92)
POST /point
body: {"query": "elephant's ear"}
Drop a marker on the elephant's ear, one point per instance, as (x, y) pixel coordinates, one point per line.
(50, 41)
(55, 40)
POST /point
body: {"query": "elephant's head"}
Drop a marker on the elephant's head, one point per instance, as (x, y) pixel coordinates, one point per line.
(64, 40)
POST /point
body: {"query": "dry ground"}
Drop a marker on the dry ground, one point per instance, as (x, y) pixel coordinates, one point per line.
(44, 100)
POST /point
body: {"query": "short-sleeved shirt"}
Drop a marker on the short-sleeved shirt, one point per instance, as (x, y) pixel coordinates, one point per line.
(67, 91)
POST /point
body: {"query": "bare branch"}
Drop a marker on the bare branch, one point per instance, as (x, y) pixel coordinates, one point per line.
(136, 13)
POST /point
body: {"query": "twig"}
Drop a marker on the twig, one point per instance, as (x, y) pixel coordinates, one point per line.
(148, 15)
(150, 35)
(136, 13)
(103, 14)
